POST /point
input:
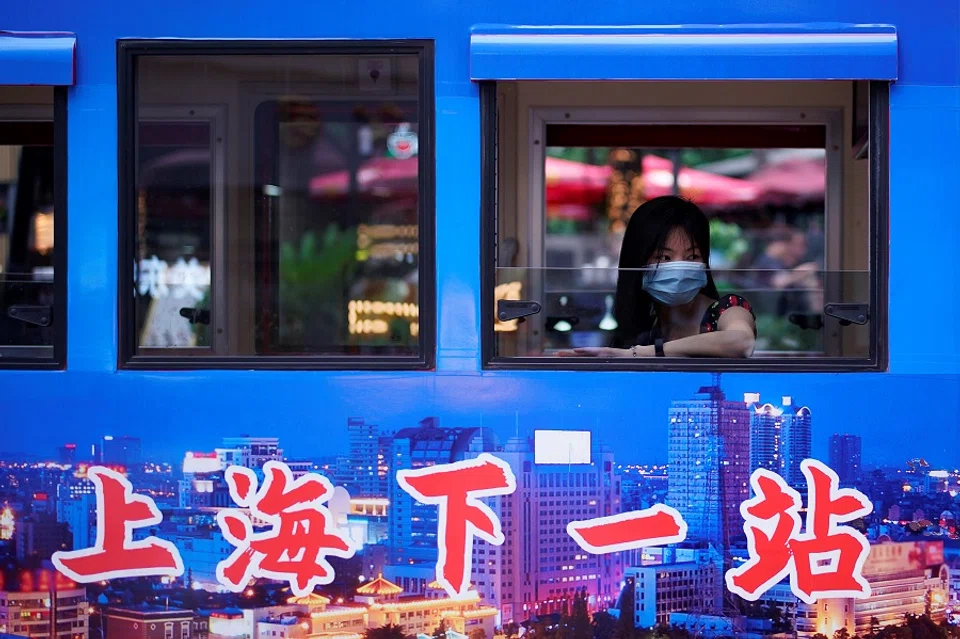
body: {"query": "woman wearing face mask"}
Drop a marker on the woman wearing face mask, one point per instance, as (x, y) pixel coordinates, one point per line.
(666, 303)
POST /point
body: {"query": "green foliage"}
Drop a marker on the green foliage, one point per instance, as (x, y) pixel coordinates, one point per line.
(727, 240)
(313, 295)
(776, 333)
(604, 625)
(579, 621)
(696, 157)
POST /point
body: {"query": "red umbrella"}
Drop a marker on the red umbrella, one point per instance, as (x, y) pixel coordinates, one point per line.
(566, 182)
(382, 177)
(569, 182)
(792, 181)
(704, 188)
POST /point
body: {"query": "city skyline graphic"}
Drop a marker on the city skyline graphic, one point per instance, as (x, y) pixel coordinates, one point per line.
(714, 435)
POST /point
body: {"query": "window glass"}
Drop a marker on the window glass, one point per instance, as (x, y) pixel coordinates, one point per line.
(278, 205)
(781, 199)
(27, 238)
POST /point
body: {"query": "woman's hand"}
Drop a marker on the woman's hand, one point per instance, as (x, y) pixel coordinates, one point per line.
(604, 352)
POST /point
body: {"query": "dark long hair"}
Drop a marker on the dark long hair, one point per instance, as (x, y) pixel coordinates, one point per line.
(647, 233)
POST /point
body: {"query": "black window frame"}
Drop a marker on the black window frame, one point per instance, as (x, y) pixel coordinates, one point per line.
(877, 154)
(58, 361)
(127, 53)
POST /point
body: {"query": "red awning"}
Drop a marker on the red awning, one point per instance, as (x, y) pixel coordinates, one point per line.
(708, 190)
(566, 182)
(792, 181)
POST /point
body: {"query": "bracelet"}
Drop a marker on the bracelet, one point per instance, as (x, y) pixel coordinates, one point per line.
(658, 348)
(633, 350)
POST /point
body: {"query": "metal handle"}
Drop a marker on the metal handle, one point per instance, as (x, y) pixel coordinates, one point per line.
(36, 315)
(515, 309)
(858, 314)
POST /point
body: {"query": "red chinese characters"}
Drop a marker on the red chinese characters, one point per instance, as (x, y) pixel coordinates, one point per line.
(116, 554)
(654, 526)
(825, 561)
(300, 533)
(456, 490)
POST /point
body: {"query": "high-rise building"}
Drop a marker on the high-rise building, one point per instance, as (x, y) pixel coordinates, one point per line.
(42, 603)
(41, 536)
(67, 454)
(780, 437)
(798, 440)
(709, 464)
(365, 471)
(539, 567)
(79, 514)
(250, 452)
(124, 451)
(845, 457)
(412, 525)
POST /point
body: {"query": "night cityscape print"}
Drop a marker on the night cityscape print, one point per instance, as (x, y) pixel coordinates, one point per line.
(539, 580)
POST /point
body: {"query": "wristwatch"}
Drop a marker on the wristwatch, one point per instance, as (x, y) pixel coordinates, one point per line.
(658, 348)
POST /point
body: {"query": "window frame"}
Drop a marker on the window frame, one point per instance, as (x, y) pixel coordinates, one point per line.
(878, 225)
(57, 113)
(127, 356)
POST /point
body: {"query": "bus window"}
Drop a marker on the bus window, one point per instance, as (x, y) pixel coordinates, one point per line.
(29, 320)
(782, 197)
(274, 211)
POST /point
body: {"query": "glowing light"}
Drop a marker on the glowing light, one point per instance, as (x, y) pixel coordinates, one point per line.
(608, 323)
(8, 523)
(366, 316)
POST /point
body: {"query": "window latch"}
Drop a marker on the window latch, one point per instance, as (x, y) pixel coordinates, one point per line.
(805, 321)
(516, 309)
(848, 314)
(36, 315)
(196, 315)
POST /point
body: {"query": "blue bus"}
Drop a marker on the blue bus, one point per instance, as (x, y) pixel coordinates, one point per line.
(363, 240)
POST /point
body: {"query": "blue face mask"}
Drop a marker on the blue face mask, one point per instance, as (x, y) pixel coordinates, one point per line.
(675, 283)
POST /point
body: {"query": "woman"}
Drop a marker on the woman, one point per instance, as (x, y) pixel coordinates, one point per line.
(667, 303)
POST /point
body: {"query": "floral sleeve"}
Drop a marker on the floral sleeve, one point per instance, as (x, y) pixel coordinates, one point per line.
(711, 319)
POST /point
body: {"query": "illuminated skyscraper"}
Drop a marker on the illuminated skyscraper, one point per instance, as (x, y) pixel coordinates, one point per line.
(365, 471)
(125, 451)
(67, 454)
(845, 457)
(780, 437)
(709, 464)
(539, 567)
(412, 525)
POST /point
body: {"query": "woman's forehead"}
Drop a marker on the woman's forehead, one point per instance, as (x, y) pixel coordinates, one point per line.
(679, 240)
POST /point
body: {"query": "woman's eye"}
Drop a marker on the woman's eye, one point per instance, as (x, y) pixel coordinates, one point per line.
(663, 258)
(693, 258)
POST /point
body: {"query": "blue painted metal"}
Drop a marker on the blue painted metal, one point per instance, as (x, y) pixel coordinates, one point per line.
(846, 52)
(40, 59)
(201, 406)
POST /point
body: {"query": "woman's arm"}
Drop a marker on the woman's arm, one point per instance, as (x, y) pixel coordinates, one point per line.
(733, 339)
